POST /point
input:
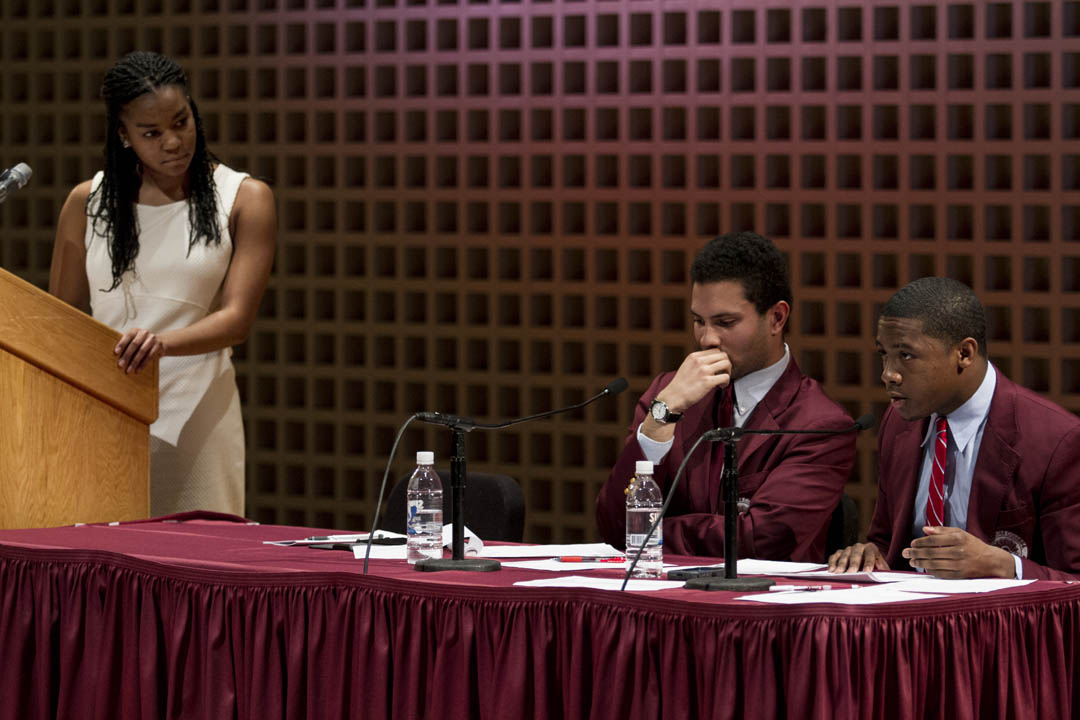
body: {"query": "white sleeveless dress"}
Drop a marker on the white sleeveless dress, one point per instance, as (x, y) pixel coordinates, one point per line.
(197, 443)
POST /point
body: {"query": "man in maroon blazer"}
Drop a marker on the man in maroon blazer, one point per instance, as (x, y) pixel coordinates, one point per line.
(743, 375)
(1011, 473)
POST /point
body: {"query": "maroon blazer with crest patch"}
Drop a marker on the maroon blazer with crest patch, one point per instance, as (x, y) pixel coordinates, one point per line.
(1025, 490)
(792, 482)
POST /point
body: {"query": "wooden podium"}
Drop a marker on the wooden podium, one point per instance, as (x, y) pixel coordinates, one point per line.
(74, 428)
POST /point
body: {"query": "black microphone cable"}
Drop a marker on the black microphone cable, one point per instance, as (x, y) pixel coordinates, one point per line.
(382, 488)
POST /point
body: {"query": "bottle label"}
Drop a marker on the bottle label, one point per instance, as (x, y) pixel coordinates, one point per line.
(411, 522)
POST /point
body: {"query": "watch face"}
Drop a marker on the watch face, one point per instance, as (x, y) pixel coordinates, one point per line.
(659, 411)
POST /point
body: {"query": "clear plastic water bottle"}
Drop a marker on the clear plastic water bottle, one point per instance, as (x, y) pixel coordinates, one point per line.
(643, 503)
(423, 520)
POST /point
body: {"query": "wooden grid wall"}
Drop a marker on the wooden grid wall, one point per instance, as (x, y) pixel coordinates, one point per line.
(488, 208)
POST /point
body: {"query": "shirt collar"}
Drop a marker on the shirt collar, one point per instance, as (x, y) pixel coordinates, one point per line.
(964, 421)
(749, 389)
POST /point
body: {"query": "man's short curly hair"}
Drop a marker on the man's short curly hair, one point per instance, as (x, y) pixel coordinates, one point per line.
(949, 310)
(749, 259)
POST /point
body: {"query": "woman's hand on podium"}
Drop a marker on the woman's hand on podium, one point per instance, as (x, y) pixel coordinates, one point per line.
(136, 348)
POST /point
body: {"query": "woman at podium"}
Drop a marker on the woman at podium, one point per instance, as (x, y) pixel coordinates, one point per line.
(173, 249)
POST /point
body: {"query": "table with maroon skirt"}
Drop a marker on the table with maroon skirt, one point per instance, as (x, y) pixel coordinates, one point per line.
(195, 617)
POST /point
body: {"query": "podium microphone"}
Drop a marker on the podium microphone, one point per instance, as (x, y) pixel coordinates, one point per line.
(14, 178)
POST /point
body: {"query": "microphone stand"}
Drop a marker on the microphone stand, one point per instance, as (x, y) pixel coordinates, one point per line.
(458, 561)
(457, 497)
(729, 479)
(459, 426)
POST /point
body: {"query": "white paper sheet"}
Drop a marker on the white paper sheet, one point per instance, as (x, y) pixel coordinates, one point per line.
(750, 566)
(473, 544)
(554, 565)
(579, 581)
(943, 585)
(327, 539)
(400, 552)
(718, 566)
(381, 552)
(541, 551)
(877, 576)
(866, 595)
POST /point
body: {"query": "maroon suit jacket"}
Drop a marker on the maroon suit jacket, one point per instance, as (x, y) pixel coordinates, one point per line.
(1025, 491)
(791, 483)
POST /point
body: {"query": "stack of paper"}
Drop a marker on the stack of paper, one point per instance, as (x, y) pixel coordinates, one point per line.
(579, 581)
(546, 551)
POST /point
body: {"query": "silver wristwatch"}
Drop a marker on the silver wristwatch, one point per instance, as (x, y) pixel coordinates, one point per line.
(659, 410)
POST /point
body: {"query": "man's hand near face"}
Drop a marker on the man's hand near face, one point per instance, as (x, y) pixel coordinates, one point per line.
(949, 552)
(699, 374)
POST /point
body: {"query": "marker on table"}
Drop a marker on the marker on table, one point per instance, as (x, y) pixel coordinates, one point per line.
(589, 559)
(798, 588)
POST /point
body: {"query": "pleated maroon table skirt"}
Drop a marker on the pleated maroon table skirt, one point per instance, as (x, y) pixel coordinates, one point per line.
(196, 618)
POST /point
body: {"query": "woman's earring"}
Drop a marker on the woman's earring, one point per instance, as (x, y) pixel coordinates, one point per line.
(125, 143)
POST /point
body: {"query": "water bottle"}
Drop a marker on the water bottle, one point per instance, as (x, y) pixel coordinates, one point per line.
(643, 503)
(423, 520)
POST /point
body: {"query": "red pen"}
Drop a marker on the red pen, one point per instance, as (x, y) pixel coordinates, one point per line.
(587, 559)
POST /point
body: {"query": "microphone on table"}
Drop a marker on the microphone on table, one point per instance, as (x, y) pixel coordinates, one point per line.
(461, 425)
(14, 178)
(729, 436)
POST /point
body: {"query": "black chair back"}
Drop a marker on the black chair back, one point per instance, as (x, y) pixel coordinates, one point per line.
(843, 527)
(494, 506)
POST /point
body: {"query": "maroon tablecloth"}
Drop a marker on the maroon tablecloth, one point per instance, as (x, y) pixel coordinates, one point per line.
(200, 619)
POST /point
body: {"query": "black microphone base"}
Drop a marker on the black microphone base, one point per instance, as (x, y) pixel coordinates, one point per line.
(739, 584)
(468, 565)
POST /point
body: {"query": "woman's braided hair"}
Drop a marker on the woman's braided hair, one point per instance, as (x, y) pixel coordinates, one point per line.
(132, 76)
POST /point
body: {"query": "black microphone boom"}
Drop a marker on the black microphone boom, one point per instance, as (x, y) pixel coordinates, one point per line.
(466, 424)
(451, 421)
(616, 386)
(865, 422)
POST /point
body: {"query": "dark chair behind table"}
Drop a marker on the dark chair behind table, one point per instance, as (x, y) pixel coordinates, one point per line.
(494, 506)
(843, 526)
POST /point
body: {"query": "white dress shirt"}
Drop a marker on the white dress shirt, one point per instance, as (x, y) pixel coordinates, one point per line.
(749, 390)
(966, 426)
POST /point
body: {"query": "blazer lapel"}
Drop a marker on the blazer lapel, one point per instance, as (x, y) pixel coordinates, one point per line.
(763, 418)
(775, 402)
(997, 462)
(906, 461)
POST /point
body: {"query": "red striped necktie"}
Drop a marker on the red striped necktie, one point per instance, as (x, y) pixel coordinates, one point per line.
(935, 499)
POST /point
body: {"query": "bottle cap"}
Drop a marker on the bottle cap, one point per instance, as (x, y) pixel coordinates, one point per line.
(643, 467)
(425, 457)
